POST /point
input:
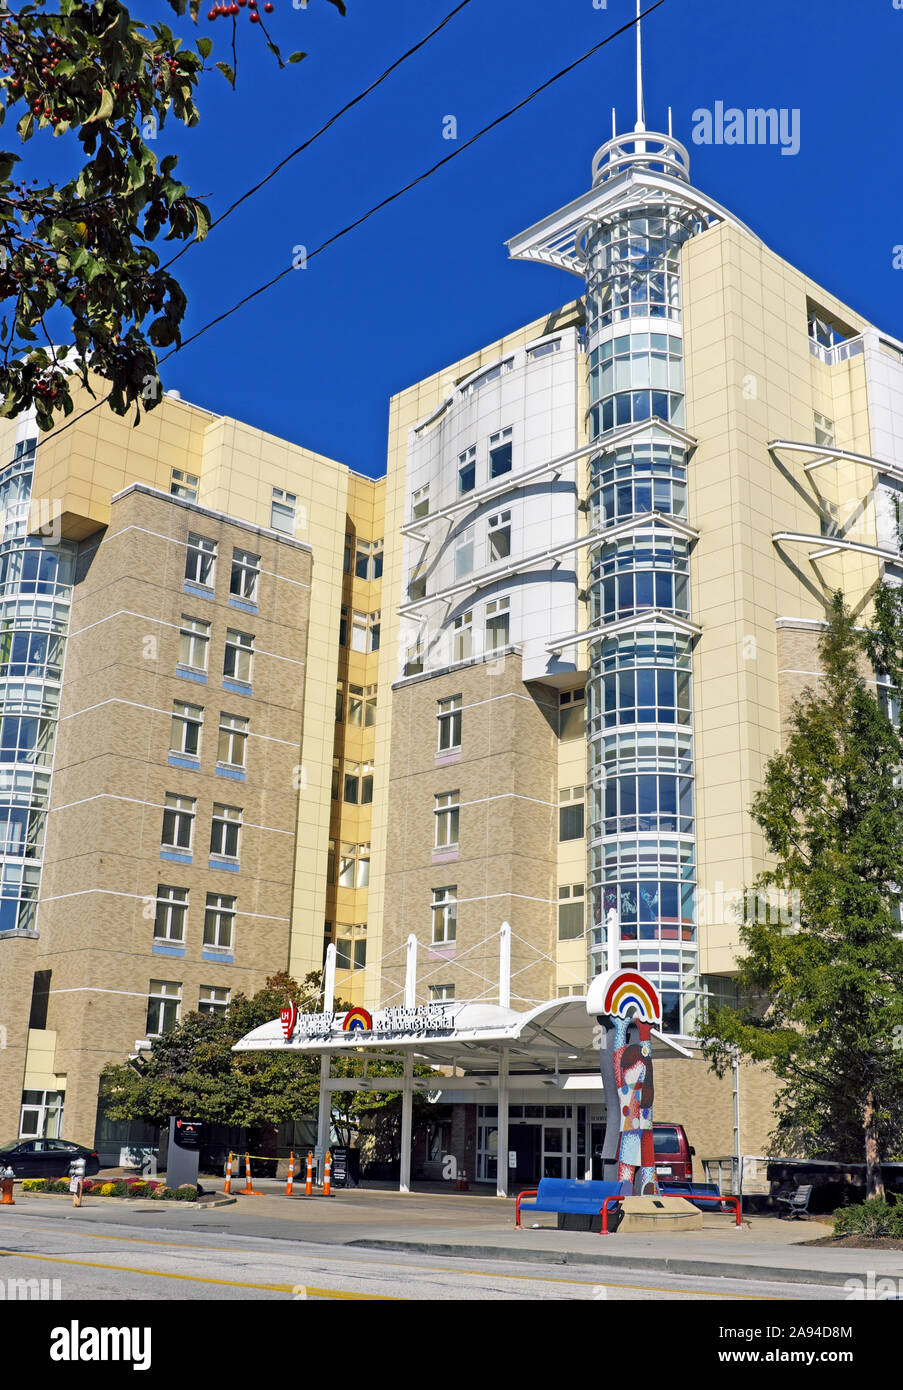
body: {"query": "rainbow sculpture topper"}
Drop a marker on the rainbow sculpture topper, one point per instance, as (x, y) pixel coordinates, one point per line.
(627, 1005)
(357, 1021)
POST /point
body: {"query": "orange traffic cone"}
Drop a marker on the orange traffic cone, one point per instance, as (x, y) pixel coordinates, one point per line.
(248, 1190)
(291, 1174)
(227, 1187)
(327, 1174)
(309, 1184)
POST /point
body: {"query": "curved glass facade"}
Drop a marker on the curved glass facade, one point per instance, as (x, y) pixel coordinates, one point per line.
(640, 781)
(35, 591)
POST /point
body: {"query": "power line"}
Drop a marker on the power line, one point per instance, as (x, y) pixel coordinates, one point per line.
(323, 128)
(421, 178)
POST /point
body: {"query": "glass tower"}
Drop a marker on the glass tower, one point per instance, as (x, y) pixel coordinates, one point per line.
(36, 578)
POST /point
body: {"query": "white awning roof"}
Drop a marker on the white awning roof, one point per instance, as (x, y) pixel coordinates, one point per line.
(556, 1035)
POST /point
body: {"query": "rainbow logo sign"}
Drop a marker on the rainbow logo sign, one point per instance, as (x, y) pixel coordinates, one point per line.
(357, 1021)
(630, 995)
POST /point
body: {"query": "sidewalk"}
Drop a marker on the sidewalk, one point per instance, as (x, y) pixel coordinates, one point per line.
(476, 1226)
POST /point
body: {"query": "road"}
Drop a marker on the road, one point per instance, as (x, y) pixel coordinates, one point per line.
(102, 1260)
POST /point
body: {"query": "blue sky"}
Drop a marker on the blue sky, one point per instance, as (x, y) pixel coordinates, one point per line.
(428, 280)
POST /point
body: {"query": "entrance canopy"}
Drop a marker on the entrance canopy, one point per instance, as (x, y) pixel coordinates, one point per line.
(555, 1037)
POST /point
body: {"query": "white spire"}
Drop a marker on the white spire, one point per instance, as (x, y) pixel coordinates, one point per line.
(640, 109)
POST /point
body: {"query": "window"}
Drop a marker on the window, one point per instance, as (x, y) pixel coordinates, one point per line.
(178, 821)
(499, 536)
(365, 631)
(336, 775)
(462, 643)
(464, 554)
(500, 453)
(544, 349)
(219, 921)
(172, 910)
(331, 849)
(442, 994)
(349, 548)
(571, 912)
(368, 563)
(340, 702)
(164, 1001)
(497, 624)
(200, 561)
(343, 627)
(231, 747)
(448, 816)
(445, 915)
(225, 830)
(420, 503)
(417, 582)
(358, 784)
(245, 574)
(824, 430)
(350, 946)
(282, 511)
(238, 655)
(491, 374)
(354, 866)
(571, 707)
(184, 485)
(570, 813)
(186, 729)
(467, 470)
(194, 637)
(449, 719)
(362, 705)
(213, 999)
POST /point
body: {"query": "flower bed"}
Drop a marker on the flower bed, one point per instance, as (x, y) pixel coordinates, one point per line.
(117, 1187)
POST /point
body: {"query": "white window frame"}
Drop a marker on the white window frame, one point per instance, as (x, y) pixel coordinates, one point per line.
(181, 810)
(464, 553)
(167, 992)
(467, 461)
(232, 739)
(183, 485)
(241, 646)
(214, 1003)
(496, 610)
(420, 502)
(570, 895)
(171, 916)
(462, 637)
(444, 913)
(219, 921)
(283, 511)
(449, 719)
(225, 826)
(200, 561)
(447, 811)
(186, 717)
(499, 525)
(194, 637)
(245, 575)
(498, 442)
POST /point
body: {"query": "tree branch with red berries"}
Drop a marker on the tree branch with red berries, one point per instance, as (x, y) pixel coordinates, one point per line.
(81, 253)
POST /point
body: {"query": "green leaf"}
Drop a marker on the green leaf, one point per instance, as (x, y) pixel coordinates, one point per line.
(205, 47)
(296, 57)
(25, 126)
(227, 73)
(104, 110)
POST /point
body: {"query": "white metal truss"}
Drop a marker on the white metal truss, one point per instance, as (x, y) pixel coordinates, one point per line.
(830, 545)
(650, 431)
(826, 454)
(556, 240)
(653, 617)
(492, 573)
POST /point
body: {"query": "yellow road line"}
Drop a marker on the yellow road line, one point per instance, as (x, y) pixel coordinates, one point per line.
(200, 1279)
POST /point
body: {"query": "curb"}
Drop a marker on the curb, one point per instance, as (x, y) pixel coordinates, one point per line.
(89, 1199)
(665, 1264)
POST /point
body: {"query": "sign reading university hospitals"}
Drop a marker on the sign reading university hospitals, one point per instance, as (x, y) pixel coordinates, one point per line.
(384, 1023)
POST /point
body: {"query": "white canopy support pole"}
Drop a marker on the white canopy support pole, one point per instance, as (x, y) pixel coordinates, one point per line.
(505, 966)
(410, 973)
(407, 1107)
(324, 1115)
(501, 1167)
(329, 979)
(614, 933)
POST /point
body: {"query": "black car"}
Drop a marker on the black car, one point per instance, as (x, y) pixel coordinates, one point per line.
(46, 1158)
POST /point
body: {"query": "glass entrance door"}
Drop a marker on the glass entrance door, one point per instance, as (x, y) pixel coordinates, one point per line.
(556, 1151)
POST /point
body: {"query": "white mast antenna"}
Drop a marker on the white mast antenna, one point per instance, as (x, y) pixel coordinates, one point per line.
(640, 109)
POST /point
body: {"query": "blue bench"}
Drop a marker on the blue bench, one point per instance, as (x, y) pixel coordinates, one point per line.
(568, 1195)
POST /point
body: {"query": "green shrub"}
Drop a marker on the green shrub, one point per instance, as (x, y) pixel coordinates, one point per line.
(874, 1218)
(162, 1193)
(185, 1193)
(120, 1189)
(61, 1185)
(138, 1189)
